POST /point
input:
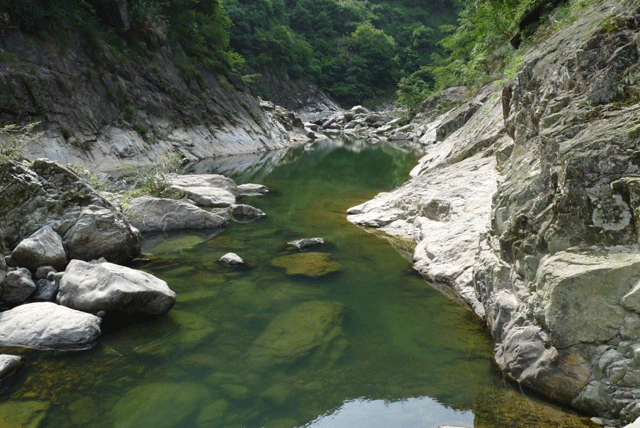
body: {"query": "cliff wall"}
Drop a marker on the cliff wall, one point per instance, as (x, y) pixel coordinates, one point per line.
(526, 204)
(105, 109)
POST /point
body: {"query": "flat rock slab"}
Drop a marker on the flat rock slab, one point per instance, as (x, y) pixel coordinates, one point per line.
(303, 244)
(150, 214)
(310, 264)
(579, 294)
(296, 333)
(48, 326)
(207, 190)
(95, 287)
(159, 405)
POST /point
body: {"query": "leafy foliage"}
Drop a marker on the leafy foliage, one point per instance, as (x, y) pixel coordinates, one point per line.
(13, 139)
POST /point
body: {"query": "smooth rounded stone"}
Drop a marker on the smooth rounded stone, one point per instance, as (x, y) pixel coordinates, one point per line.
(43, 248)
(159, 405)
(83, 411)
(22, 414)
(17, 286)
(303, 244)
(310, 264)
(245, 213)
(101, 232)
(46, 291)
(212, 413)
(207, 190)
(231, 259)
(251, 189)
(43, 272)
(48, 326)
(108, 287)
(296, 333)
(150, 214)
(9, 364)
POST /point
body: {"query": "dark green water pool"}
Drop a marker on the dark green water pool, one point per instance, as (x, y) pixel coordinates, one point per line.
(375, 345)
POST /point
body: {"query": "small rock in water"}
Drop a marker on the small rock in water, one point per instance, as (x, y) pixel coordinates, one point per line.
(251, 189)
(245, 213)
(303, 244)
(231, 259)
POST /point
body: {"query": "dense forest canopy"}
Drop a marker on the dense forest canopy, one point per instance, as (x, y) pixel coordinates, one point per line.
(358, 51)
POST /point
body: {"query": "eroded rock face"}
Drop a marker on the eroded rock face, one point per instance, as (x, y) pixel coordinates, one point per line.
(49, 194)
(17, 286)
(555, 270)
(95, 287)
(48, 326)
(563, 240)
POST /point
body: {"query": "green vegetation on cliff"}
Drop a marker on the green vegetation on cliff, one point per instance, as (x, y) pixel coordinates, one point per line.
(358, 51)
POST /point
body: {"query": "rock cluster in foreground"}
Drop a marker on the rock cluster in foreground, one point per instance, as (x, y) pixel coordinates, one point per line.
(526, 203)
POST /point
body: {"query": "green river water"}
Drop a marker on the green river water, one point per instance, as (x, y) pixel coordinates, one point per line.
(401, 354)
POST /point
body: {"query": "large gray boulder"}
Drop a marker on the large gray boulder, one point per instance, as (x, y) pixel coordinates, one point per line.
(150, 214)
(101, 232)
(48, 326)
(50, 194)
(17, 286)
(43, 248)
(207, 190)
(95, 287)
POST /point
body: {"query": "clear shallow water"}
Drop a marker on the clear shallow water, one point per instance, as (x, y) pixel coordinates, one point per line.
(400, 354)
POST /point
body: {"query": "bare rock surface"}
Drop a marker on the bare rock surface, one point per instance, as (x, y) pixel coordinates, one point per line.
(43, 248)
(49, 194)
(48, 326)
(150, 214)
(17, 286)
(95, 287)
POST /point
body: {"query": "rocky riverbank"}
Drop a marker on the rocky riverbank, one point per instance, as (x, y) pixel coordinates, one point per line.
(526, 205)
(63, 273)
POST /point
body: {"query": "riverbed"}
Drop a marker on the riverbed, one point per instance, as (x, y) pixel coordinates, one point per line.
(401, 353)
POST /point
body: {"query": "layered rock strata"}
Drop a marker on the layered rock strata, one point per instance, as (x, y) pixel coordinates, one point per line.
(551, 260)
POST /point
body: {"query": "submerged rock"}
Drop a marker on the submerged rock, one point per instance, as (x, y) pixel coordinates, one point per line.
(95, 287)
(161, 405)
(23, 414)
(296, 333)
(48, 326)
(150, 214)
(310, 264)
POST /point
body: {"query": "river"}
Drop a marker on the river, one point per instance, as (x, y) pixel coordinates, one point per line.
(400, 354)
